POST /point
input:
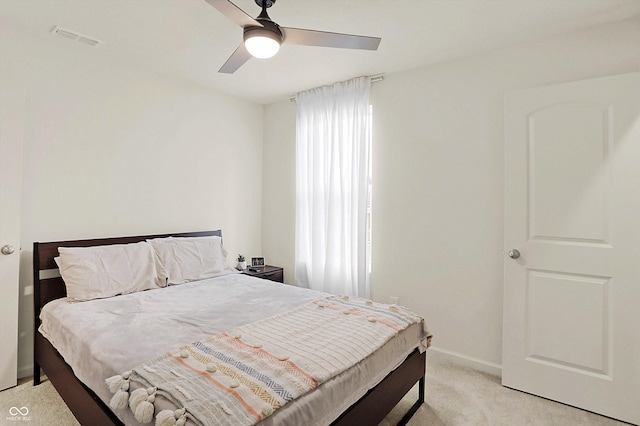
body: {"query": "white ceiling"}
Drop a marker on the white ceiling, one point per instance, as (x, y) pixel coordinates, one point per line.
(189, 39)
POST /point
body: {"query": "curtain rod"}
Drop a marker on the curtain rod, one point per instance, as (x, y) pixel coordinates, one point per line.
(374, 79)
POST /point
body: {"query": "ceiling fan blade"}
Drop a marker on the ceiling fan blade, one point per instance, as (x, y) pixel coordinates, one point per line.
(234, 13)
(326, 39)
(236, 60)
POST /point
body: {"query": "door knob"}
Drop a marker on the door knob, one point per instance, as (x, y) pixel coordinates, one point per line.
(7, 249)
(514, 253)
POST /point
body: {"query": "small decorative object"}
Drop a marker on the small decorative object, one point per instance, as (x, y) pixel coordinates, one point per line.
(257, 261)
(242, 264)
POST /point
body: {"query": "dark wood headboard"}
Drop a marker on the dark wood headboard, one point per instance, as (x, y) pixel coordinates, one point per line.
(48, 289)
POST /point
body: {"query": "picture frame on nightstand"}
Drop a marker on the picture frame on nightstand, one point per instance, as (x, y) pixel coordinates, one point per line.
(257, 262)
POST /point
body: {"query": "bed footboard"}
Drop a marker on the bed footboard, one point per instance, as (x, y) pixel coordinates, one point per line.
(372, 408)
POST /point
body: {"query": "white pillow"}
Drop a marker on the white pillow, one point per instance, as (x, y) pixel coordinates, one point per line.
(191, 258)
(106, 271)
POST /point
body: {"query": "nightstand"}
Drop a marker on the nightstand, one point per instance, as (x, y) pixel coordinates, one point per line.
(273, 273)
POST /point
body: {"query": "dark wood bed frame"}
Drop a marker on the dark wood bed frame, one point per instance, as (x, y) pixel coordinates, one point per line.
(90, 410)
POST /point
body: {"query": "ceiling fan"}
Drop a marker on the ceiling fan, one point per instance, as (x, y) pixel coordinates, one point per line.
(263, 37)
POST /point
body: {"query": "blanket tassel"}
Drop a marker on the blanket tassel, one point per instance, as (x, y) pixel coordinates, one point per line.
(119, 385)
(114, 383)
(121, 398)
(171, 418)
(141, 403)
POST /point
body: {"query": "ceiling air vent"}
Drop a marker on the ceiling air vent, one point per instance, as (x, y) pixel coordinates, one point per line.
(72, 35)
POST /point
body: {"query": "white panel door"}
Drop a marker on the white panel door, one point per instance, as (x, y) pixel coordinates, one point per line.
(572, 210)
(11, 136)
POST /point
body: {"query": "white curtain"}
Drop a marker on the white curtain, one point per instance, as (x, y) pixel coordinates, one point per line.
(333, 138)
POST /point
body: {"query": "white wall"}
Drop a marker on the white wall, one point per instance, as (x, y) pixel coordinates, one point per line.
(439, 179)
(279, 187)
(113, 150)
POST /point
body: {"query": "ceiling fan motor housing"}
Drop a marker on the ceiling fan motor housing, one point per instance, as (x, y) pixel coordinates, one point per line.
(266, 3)
(270, 29)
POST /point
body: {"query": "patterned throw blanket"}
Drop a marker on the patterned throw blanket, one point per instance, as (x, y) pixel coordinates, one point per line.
(243, 376)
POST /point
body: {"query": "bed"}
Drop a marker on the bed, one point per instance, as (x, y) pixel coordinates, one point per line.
(366, 403)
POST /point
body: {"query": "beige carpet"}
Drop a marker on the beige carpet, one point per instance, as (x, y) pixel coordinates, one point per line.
(455, 396)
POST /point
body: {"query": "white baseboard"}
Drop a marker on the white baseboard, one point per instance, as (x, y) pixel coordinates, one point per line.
(467, 361)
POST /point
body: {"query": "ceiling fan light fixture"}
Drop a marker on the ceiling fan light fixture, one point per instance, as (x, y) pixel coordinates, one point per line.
(262, 42)
(262, 47)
